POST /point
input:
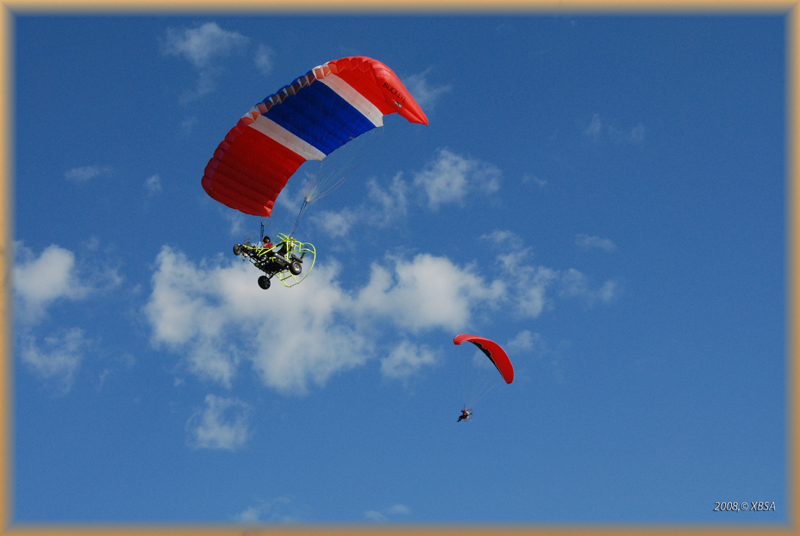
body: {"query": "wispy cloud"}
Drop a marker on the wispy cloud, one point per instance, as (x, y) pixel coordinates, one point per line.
(196, 310)
(274, 510)
(608, 292)
(384, 206)
(532, 283)
(450, 177)
(406, 359)
(425, 93)
(204, 47)
(425, 292)
(594, 127)
(529, 282)
(336, 224)
(237, 221)
(597, 129)
(153, 184)
(636, 134)
(58, 358)
(86, 173)
(586, 242)
(524, 340)
(40, 281)
(184, 318)
(575, 284)
(386, 514)
(527, 178)
(188, 124)
(264, 59)
(221, 424)
(390, 203)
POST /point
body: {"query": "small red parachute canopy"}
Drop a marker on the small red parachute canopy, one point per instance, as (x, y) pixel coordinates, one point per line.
(493, 351)
(306, 120)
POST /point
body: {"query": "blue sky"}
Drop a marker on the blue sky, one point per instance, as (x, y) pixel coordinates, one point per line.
(603, 196)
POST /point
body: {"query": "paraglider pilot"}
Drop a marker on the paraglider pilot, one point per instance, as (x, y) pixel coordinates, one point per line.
(465, 413)
(282, 249)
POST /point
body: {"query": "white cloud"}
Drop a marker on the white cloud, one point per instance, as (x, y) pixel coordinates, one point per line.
(398, 509)
(273, 510)
(406, 359)
(188, 124)
(594, 127)
(251, 514)
(424, 93)
(38, 282)
(310, 340)
(124, 360)
(510, 244)
(92, 244)
(185, 313)
(83, 174)
(153, 184)
(587, 242)
(575, 284)
(203, 47)
(290, 199)
(597, 128)
(374, 515)
(197, 311)
(237, 220)
(387, 513)
(264, 59)
(608, 292)
(383, 207)
(636, 135)
(390, 203)
(530, 283)
(541, 183)
(450, 177)
(221, 424)
(336, 224)
(203, 44)
(426, 293)
(58, 359)
(215, 317)
(447, 179)
(524, 340)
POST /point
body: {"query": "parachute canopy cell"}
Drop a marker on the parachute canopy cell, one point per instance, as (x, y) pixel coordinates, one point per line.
(493, 351)
(306, 120)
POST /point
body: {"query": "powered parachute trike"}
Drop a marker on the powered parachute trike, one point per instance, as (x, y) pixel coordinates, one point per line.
(283, 260)
(308, 119)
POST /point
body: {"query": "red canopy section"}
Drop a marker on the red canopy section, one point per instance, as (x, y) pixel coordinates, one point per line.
(493, 351)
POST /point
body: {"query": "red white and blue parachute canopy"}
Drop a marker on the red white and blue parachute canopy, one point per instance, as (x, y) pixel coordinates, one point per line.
(306, 120)
(493, 351)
